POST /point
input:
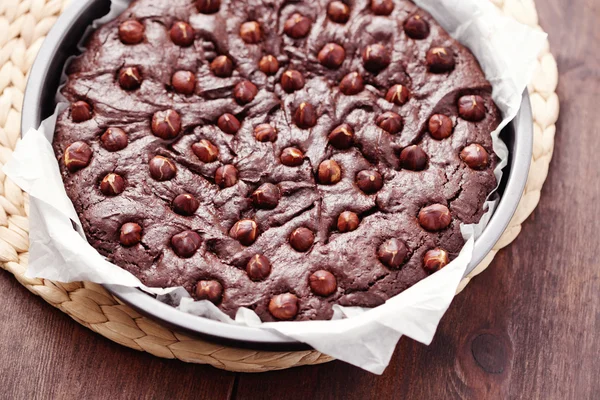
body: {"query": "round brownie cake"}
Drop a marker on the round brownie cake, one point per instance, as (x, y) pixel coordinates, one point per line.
(279, 155)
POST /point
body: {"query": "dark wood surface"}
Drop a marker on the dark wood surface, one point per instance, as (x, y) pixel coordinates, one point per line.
(528, 327)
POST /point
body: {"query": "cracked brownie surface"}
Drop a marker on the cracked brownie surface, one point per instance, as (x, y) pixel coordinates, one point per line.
(278, 155)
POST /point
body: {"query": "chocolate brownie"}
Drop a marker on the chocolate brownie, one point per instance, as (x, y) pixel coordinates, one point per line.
(283, 156)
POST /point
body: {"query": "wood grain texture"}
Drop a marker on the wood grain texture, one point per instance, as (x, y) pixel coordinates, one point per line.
(526, 328)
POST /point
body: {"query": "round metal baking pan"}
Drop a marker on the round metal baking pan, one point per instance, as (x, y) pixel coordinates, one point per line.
(39, 103)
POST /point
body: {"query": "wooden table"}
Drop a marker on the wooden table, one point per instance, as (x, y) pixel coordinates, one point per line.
(528, 327)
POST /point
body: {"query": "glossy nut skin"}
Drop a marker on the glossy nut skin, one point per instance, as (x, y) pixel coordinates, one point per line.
(250, 32)
(265, 133)
(228, 123)
(302, 239)
(166, 124)
(77, 156)
(332, 56)
(185, 204)
(208, 6)
(131, 32)
(413, 158)
(435, 217)
(292, 157)
(266, 196)
(305, 116)
(222, 66)
(292, 80)
(352, 84)
(209, 290)
(390, 122)
(435, 259)
(162, 169)
(182, 34)
(284, 306)
(244, 92)
(114, 139)
(244, 231)
(440, 60)
(376, 58)
(416, 27)
(226, 176)
(130, 78)
(205, 151)
(338, 11)
(183, 82)
(347, 221)
(112, 185)
(258, 267)
(297, 26)
(81, 111)
(186, 243)
(440, 126)
(329, 172)
(322, 283)
(130, 234)
(397, 94)
(341, 137)
(382, 7)
(369, 181)
(475, 156)
(392, 253)
(268, 65)
(471, 108)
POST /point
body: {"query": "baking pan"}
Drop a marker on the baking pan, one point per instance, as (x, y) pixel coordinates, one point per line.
(39, 103)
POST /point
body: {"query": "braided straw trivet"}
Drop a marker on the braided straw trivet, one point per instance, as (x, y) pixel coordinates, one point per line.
(23, 26)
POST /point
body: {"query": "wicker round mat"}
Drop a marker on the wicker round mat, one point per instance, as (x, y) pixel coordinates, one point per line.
(23, 26)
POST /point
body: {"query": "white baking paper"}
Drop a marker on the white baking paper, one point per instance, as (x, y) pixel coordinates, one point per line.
(507, 52)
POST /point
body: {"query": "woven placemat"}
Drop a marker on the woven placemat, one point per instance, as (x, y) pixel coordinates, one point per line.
(23, 26)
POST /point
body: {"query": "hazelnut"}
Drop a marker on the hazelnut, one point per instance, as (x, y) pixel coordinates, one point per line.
(209, 290)
(205, 151)
(341, 137)
(413, 158)
(305, 116)
(440, 126)
(182, 34)
(185, 204)
(382, 7)
(369, 181)
(244, 231)
(244, 92)
(283, 306)
(292, 80)
(268, 65)
(114, 139)
(292, 157)
(329, 172)
(183, 82)
(322, 283)
(81, 111)
(131, 234)
(332, 56)
(226, 176)
(112, 185)
(392, 253)
(222, 66)
(338, 12)
(208, 6)
(166, 124)
(250, 32)
(475, 156)
(435, 259)
(162, 169)
(435, 217)
(347, 221)
(390, 122)
(131, 31)
(186, 243)
(302, 239)
(352, 84)
(440, 60)
(397, 94)
(471, 108)
(376, 58)
(130, 78)
(416, 27)
(266, 196)
(77, 156)
(297, 26)
(258, 267)
(228, 123)
(265, 133)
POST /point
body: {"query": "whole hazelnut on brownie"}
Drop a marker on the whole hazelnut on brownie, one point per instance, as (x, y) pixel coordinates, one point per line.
(130, 234)
(131, 31)
(305, 116)
(251, 32)
(435, 217)
(183, 82)
(347, 221)
(369, 181)
(284, 306)
(186, 243)
(440, 60)
(266, 196)
(166, 124)
(208, 6)
(206, 151)
(382, 7)
(397, 94)
(322, 283)
(209, 290)
(392, 253)
(413, 158)
(302, 239)
(258, 267)
(292, 80)
(130, 78)
(292, 157)
(265, 133)
(390, 122)
(228, 123)
(226, 176)
(268, 65)
(376, 58)
(338, 11)
(416, 27)
(297, 26)
(475, 156)
(435, 259)
(81, 111)
(162, 169)
(244, 92)
(440, 126)
(352, 84)
(332, 56)
(341, 137)
(222, 66)
(112, 184)
(471, 108)
(329, 172)
(185, 204)
(182, 34)
(114, 139)
(244, 231)
(77, 156)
